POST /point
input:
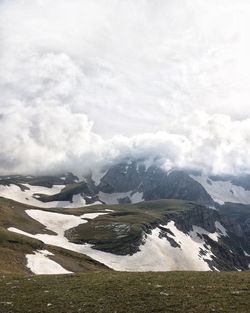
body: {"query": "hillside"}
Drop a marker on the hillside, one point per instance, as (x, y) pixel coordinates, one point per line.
(161, 235)
(15, 247)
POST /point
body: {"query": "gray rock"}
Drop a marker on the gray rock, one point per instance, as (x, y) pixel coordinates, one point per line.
(155, 183)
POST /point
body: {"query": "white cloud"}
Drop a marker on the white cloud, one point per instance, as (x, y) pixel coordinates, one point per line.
(86, 82)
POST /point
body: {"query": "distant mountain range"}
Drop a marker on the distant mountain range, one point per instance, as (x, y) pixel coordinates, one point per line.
(127, 182)
(145, 218)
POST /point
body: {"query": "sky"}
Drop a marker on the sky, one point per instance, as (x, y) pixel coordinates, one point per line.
(85, 83)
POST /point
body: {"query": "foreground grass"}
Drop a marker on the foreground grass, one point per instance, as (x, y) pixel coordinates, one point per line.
(126, 292)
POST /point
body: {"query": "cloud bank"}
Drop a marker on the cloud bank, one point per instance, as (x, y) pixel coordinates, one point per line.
(86, 83)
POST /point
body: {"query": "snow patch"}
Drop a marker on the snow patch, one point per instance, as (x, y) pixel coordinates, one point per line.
(29, 196)
(97, 175)
(223, 191)
(192, 251)
(40, 264)
(246, 254)
(136, 197)
(56, 222)
(92, 215)
(156, 254)
(221, 231)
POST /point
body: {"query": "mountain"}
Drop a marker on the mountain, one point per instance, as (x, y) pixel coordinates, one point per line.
(136, 217)
(126, 182)
(134, 180)
(153, 182)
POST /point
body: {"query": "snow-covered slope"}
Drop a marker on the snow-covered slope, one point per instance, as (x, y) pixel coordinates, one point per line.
(223, 191)
(126, 183)
(156, 254)
(28, 196)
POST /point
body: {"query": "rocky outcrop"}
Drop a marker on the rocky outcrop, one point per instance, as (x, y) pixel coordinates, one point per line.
(230, 251)
(68, 192)
(238, 217)
(122, 177)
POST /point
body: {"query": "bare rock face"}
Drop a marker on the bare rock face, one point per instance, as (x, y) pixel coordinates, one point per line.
(154, 183)
(67, 193)
(238, 218)
(122, 177)
(230, 251)
(174, 185)
(199, 216)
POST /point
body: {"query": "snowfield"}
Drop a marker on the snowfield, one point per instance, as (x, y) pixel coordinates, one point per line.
(15, 193)
(223, 191)
(220, 191)
(40, 264)
(156, 254)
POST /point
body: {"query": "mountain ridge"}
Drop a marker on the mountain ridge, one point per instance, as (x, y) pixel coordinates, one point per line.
(135, 211)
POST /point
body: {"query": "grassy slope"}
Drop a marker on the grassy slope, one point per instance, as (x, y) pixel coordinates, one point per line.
(14, 247)
(12, 214)
(109, 292)
(130, 221)
(156, 208)
(100, 231)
